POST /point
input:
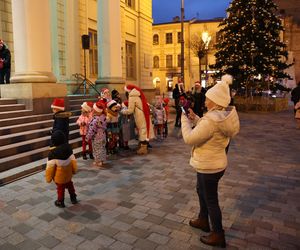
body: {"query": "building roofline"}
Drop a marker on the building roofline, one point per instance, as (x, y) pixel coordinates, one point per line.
(193, 20)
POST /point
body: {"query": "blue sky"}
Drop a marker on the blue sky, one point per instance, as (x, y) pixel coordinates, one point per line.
(165, 10)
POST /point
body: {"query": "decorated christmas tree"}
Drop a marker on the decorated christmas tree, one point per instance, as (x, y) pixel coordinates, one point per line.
(250, 46)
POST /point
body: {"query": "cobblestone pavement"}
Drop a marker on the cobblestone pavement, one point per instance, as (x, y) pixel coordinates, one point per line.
(145, 202)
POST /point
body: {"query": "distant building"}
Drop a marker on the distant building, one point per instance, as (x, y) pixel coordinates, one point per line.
(290, 14)
(167, 53)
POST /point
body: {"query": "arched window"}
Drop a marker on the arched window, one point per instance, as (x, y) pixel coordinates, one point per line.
(155, 39)
(155, 62)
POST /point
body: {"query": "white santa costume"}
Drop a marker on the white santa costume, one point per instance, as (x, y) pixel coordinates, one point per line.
(138, 106)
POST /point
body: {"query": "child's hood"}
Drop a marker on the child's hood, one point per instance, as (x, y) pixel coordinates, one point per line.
(63, 114)
(62, 152)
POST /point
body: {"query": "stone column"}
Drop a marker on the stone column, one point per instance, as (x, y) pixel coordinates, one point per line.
(32, 41)
(73, 48)
(109, 43)
(33, 83)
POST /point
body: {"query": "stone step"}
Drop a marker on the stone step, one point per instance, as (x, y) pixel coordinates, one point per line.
(28, 169)
(36, 154)
(80, 101)
(81, 97)
(5, 101)
(11, 107)
(30, 134)
(15, 114)
(24, 146)
(22, 127)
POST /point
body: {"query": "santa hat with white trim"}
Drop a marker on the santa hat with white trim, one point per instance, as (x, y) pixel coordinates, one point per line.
(58, 103)
(99, 106)
(87, 106)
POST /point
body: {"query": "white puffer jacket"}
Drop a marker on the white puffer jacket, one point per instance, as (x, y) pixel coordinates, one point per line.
(209, 138)
(135, 107)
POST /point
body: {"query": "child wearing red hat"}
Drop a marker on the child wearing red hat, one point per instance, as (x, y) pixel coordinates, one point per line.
(167, 110)
(97, 133)
(61, 117)
(83, 122)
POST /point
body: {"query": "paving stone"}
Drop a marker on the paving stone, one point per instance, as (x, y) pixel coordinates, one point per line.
(117, 245)
(88, 234)
(125, 237)
(146, 202)
(143, 244)
(49, 241)
(22, 228)
(158, 238)
(28, 245)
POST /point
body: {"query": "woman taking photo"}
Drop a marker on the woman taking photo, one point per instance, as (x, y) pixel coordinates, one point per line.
(209, 136)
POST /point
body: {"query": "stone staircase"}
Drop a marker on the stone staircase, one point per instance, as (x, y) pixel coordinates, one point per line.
(24, 138)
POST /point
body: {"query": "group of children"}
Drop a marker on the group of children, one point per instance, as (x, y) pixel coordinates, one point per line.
(103, 129)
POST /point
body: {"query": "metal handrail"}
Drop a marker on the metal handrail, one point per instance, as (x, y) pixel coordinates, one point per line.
(84, 81)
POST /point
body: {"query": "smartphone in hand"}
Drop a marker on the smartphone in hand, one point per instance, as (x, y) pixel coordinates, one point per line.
(184, 111)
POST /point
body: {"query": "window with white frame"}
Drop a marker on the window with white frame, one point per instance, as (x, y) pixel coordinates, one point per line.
(130, 60)
(156, 62)
(130, 3)
(155, 39)
(93, 53)
(169, 61)
(169, 38)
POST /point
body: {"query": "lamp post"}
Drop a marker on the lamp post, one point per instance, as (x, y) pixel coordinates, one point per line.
(206, 39)
(182, 41)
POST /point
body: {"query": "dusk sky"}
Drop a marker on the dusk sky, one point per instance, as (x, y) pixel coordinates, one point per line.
(164, 10)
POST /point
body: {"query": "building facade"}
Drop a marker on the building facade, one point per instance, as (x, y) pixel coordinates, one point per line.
(45, 39)
(167, 50)
(167, 53)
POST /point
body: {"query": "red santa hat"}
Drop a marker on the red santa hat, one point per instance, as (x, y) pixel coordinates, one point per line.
(87, 106)
(58, 103)
(166, 100)
(99, 106)
(111, 104)
(146, 109)
(104, 91)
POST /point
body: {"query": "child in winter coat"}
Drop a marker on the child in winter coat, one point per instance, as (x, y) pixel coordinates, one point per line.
(159, 120)
(97, 133)
(83, 122)
(167, 110)
(113, 129)
(61, 166)
(61, 118)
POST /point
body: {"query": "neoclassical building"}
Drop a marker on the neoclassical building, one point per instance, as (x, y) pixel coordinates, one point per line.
(45, 39)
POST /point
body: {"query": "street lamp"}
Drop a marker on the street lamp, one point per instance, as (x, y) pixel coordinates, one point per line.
(182, 40)
(206, 39)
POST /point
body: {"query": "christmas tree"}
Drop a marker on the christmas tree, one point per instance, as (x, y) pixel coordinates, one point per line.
(250, 44)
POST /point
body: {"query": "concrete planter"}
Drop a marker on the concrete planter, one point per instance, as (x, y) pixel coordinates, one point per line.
(263, 104)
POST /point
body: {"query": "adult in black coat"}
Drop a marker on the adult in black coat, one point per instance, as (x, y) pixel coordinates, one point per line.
(177, 92)
(5, 63)
(198, 94)
(295, 94)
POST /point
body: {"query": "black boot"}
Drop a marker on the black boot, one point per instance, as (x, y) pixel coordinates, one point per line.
(59, 203)
(91, 156)
(214, 239)
(201, 223)
(84, 156)
(73, 198)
